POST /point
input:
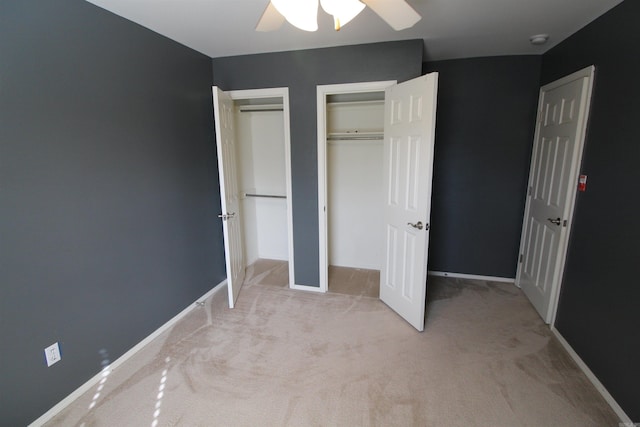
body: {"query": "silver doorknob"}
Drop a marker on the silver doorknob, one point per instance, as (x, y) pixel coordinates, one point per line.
(418, 225)
(556, 221)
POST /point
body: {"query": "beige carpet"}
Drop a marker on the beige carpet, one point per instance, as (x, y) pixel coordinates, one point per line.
(291, 358)
(354, 281)
(342, 280)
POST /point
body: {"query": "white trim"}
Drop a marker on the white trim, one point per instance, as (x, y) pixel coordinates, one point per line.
(307, 288)
(91, 383)
(472, 276)
(279, 92)
(321, 99)
(585, 72)
(624, 418)
(323, 250)
(563, 245)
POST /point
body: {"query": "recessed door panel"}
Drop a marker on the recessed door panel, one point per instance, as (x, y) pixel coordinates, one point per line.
(393, 160)
(412, 185)
(391, 273)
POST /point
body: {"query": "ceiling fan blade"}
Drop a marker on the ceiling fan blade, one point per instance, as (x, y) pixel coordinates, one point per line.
(270, 20)
(397, 13)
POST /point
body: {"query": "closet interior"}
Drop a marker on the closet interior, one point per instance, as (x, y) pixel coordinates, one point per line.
(354, 187)
(262, 180)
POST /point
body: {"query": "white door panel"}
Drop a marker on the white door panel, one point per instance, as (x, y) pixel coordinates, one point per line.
(229, 193)
(409, 136)
(562, 114)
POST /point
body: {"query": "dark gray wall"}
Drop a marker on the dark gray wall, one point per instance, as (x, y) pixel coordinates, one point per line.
(302, 71)
(484, 135)
(599, 312)
(108, 192)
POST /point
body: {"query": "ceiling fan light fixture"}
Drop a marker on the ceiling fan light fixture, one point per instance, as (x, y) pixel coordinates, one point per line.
(302, 14)
(343, 11)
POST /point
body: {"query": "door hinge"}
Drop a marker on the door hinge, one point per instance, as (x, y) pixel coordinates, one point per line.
(227, 216)
(564, 223)
(529, 190)
(521, 258)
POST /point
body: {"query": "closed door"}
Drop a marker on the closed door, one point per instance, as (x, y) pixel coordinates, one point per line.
(229, 193)
(562, 115)
(409, 137)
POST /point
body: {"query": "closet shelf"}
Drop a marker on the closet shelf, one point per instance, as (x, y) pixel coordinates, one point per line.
(356, 103)
(355, 136)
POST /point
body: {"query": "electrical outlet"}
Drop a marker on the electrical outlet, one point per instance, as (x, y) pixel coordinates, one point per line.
(52, 354)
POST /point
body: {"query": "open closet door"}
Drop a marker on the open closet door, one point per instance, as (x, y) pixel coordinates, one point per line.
(409, 136)
(229, 197)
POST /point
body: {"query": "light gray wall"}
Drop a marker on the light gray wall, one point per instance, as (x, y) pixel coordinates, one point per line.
(302, 71)
(108, 191)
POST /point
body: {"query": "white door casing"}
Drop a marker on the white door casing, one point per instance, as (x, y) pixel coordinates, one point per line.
(229, 197)
(322, 92)
(281, 93)
(409, 137)
(557, 153)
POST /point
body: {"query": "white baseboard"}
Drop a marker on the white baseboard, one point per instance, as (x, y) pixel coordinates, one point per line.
(47, 416)
(472, 276)
(594, 380)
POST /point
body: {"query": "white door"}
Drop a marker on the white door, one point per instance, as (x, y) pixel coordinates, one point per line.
(553, 178)
(409, 136)
(229, 197)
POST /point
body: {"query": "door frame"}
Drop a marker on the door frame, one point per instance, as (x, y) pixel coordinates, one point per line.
(322, 92)
(561, 257)
(278, 92)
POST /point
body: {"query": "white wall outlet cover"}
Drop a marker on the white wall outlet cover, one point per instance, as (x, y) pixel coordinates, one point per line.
(52, 354)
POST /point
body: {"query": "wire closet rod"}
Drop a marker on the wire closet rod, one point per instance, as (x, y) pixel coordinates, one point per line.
(268, 196)
(260, 110)
(355, 138)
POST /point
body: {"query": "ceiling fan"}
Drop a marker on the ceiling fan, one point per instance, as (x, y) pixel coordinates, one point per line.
(304, 13)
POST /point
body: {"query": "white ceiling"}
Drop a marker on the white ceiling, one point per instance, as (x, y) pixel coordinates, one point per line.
(450, 28)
